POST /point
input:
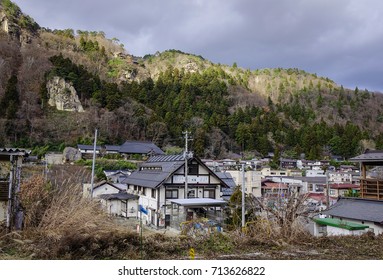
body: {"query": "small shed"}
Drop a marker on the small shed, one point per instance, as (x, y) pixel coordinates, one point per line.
(121, 204)
(334, 226)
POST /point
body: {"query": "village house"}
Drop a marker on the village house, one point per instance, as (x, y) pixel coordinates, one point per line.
(160, 184)
(358, 215)
(116, 176)
(267, 172)
(128, 149)
(114, 198)
(370, 187)
(286, 163)
(252, 180)
(337, 190)
(340, 177)
(142, 148)
(87, 150)
(352, 215)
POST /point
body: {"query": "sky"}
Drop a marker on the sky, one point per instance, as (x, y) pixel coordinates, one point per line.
(338, 39)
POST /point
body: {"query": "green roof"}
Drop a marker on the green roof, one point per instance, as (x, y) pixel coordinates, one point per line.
(340, 224)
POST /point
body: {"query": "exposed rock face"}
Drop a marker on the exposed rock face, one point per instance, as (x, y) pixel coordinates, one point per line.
(14, 30)
(71, 154)
(63, 96)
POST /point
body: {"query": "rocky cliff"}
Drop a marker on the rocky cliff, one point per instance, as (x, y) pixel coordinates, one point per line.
(63, 96)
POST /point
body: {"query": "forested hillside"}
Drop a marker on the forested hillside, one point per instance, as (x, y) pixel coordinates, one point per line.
(227, 108)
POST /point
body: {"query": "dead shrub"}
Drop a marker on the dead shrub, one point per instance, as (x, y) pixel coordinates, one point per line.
(34, 198)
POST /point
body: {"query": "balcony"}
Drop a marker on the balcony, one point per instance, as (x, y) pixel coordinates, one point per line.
(371, 188)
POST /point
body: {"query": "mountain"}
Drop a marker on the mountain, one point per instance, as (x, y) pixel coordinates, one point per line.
(57, 86)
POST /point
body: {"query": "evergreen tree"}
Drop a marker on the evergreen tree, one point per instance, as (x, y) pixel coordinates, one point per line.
(10, 102)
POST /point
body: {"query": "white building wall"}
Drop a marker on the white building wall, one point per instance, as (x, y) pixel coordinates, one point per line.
(372, 227)
(252, 180)
(104, 189)
(315, 173)
(3, 211)
(335, 231)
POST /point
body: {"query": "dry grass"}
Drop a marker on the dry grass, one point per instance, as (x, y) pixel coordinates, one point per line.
(60, 224)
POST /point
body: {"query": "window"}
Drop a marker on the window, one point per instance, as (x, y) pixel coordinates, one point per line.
(144, 191)
(191, 194)
(209, 194)
(153, 193)
(169, 194)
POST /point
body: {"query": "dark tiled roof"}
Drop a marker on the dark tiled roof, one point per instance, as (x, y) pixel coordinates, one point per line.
(116, 186)
(8, 151)
(88, 147)
(152, 178)
(166, 158)
(114, 148)
(358, 209)
(157, 169)
(229, 181)
(118, 196)
(140, 147)
(369, 156)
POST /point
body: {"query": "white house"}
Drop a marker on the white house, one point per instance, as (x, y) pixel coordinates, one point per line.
(360, 211)
(252, 180)
(333, 226)
(116, 176)
(114, 198)
(160, 183)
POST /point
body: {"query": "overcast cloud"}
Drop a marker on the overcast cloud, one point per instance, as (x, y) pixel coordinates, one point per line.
(341, 39)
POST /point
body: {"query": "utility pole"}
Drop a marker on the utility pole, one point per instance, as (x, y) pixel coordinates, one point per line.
(93, 163)
(186, 155)
(243, 197)
(327, 191)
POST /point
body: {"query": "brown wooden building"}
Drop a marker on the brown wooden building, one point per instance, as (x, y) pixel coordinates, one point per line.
(371, 186)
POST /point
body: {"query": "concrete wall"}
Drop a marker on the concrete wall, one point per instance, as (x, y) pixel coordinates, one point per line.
(3, 211)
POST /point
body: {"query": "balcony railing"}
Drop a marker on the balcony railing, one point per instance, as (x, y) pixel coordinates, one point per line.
(371, 188)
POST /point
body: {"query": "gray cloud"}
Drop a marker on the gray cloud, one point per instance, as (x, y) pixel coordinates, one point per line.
(336, 39)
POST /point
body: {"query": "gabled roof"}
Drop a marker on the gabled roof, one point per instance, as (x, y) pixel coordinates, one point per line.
(118, 196)
(229, 181)
(14, 151)
(358, 209)
(119, 187)
(369, 156)
(158, 169)
(114, 148)
(88, 147)
(155, 171)
(140, 147)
